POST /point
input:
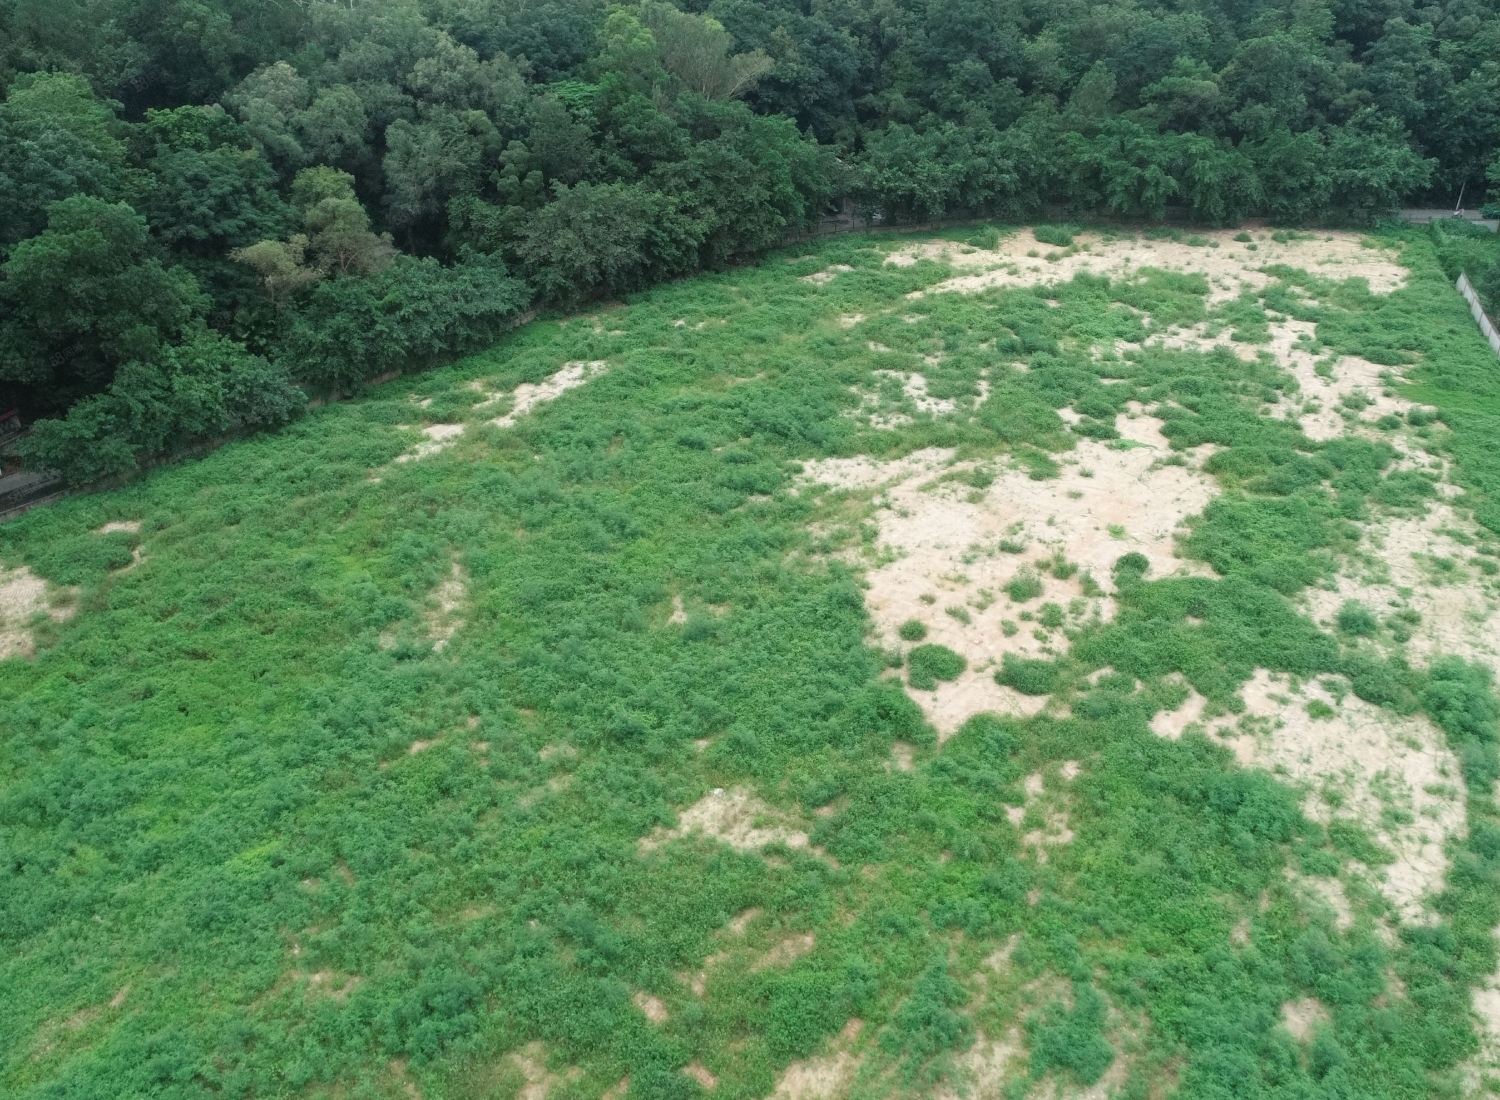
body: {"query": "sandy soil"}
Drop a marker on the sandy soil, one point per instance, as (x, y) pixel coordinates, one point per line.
(1301, 1017)
(943, 539)
(23, 596)
(439, 438)
(737, 817)
(1229, 268)
(443, 619)
(528, 395)
(531, 1060)
(1393, 774)
(651, 1007)
(130, 526)
(1457, 606)
(825, 1076)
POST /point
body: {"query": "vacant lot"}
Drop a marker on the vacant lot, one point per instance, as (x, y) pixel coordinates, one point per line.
(958, 667)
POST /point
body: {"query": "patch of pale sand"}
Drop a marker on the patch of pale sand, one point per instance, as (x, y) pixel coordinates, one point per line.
(1228, 268)
(864, 472)
(737, 817)
(420, 746)
(23, 596)
(901, 758)
(439, 438)
(824, 1076)
(944, 539)
(651, 1007)
(1053, 814)
(1347, 375)
(787, 951)
(1300, 1017)
(549, 752)
(130, 526)
(849, 320)
(1377, 762)
(700, 1073)
(1171, 724)
(1458, 616)
(985, 1068)
(528, 395)
(741, 921)
(442, 619)
(531, 1060)
(827, 275)
(679, 613)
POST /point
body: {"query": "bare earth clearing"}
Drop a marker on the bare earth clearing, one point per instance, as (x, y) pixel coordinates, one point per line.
(939, 560)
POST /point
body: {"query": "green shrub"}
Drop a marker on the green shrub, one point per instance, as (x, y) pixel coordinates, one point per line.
(1025, 585)
(931, 663)
(913, 630)
(1028, 675)
(1355, 618)
(1057, 235)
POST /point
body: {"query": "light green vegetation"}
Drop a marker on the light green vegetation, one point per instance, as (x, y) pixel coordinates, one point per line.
(329, 857)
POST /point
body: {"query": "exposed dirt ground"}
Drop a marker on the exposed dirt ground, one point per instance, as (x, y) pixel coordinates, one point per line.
(23, 596)
(1229, 265)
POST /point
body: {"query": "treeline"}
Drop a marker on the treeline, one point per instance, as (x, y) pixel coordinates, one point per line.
(205, 204)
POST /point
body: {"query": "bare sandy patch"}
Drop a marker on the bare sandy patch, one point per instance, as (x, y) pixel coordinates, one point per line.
(1229, 268)
(1047, 817)
(700, 1073)
(531, 1060)
(986, 1067)
(23, 596)
(827, 275)
(442, 615)
(129, 526)
(737, 817)
(651, 1007)
(1391, 773)
(942, 540)
(1456, 605)
(787, 951)
(528, 395)
(439, 438)
(1300, 1017)
(825, 1076)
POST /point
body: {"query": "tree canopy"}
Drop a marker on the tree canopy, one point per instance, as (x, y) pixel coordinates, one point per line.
(586, 149)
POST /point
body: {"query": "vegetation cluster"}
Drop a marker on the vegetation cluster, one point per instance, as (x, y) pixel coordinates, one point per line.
(205, 204)
(263, 835)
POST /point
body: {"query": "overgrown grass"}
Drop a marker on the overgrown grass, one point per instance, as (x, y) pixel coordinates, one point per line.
(211, 790)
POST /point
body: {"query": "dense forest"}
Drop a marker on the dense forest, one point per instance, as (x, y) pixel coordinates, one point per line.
(209, 208)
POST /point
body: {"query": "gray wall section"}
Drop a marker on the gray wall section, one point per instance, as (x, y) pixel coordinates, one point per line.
(1486, 326)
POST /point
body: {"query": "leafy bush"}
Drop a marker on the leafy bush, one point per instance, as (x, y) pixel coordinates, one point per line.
(1025, 585)
(1057, 235)
(931, 663)
(1355, 618)
(1028, 675)
(913, 630)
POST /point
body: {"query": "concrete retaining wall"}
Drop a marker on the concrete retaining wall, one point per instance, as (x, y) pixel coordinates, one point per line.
(1486, 326)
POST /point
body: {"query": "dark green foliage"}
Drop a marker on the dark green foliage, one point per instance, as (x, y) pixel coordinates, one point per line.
(1053, 234)
(413, 315)
(1028, 675)
(215, 753)
(1025, 585)
(196, 391)
(86, 296)
(913, 630)
(1071, 1039)
(927, 1021)
(930, 663)
(1355, 618)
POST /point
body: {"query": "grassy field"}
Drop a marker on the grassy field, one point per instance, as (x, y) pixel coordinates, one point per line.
(468, 740)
